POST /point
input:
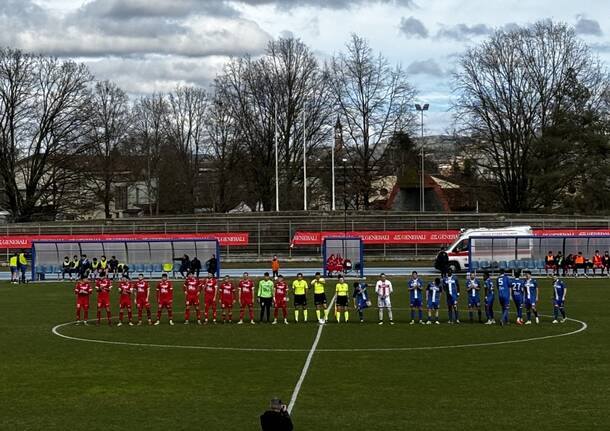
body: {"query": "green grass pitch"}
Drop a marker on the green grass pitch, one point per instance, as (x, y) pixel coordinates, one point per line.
(52, 383)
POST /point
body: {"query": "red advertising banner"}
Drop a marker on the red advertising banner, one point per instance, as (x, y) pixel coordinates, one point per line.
(381, 237)
(572, 232)
(224, 238)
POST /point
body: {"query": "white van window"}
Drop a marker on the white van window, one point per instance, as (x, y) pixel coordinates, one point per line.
(461, 246)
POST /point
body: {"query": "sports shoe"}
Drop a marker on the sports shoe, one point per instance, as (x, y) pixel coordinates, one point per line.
(563, 320)
(157, 323)
(361, 320)
(555, 321)
(241, 322)
(537, 320)
(199, 322)
(391, 322)
(206, 320)
(150, 322)
(428, 322)
(421, 322)
(274, 322)
(412, 322)
(457, 322)
(119, 324)
(139, 323)
(285, 321)
(380, 323)
(130, 323)
(252, 322)
(450, 322)
(529, 322)
(186, 322)
(171, 323)
(437, 322)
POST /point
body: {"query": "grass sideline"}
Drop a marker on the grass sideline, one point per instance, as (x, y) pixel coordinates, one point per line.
(53, 384)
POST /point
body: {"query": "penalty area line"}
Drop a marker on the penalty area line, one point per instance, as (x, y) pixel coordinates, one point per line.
(297, 388)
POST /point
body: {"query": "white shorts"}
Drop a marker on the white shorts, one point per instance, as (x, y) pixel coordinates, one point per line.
(384, 302)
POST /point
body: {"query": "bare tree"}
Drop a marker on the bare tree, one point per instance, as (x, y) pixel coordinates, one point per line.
(42, 105)
(149, 115)
(109, 121)
(374, 100)
(185, 131)
(512, 90)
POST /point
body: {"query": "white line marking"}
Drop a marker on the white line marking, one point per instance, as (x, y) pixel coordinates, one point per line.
(55, 331)
(297, 388)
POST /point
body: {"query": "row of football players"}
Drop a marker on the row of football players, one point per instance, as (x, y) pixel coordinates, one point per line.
(523, 291)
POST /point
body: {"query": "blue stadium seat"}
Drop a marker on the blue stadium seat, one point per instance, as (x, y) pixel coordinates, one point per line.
(138, 268)
(148, 268)
(158, 268)
(494, 264)
(522, 264)
(512, 265)
(51, 269)
(540, 264)
(503, 264)
(484, 264)
(40, 269)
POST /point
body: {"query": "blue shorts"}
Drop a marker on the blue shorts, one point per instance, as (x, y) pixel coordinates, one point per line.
(451, 300)
(474, 301)
(14, 270)
(518, 301)
(504, 302)
(530, 303)
(433, 305)
(416, 302)
(558, 302)
(489, 301)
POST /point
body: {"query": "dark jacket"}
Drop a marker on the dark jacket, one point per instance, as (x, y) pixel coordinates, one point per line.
(442, 261)
(195, 264)
(276, 421)
(211, 265)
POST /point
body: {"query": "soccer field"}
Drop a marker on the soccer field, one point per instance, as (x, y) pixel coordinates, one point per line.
(362, 376)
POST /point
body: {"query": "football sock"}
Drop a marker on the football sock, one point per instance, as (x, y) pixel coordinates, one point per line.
(121, 315)
(305, 315)
(285, 312)
(455, 312)
(296, 315)
(86, 314)
(412, 314)
(99, 316)
(108, 315)
(450, 314)
(390, 314)
(78, 314)
(187, 314)
(241, 313)
(325, 314)
(346, 315)
(380, 314)
(148, 314)
(275, 313)
(198, 311)
(230, 315)
(528, 313)
(318, 314)
(251, 313)
(360, 314)
(556, 313)
(563, 312)
(139, 314)
(338, 316)
(535, 313)
(129, 314)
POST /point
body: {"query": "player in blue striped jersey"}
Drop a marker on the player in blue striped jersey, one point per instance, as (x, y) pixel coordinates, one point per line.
(433, 298)
(415, 297)
(473, 287)
(516, 287)
(559, 297)
(503, 286)
(452, 290)
(489, 298)
(531, 298)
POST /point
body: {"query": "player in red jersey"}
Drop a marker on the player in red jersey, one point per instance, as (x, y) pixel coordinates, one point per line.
(165, 296)
(227, 299)
(246, 298)
(209, 296)
(83, 290)
(103, 285)
(192, 289)
(125, 291)
(280, 299)
(142, 298)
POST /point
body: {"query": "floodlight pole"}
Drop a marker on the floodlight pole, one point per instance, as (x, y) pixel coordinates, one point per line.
(304, 165)
(277, 178)
(422, 196)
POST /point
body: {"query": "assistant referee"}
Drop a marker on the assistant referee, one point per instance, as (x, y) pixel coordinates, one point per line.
(299, 287)
(319, 296)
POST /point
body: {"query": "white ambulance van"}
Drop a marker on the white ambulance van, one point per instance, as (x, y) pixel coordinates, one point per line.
(458, 251)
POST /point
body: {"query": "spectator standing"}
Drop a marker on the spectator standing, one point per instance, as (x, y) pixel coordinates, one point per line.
(196, 266)
(605, 263)
(277, 417)
(442, 262)
(13, 263)
(212, 265)
(275, 267)
(23, 266)
(113, 265)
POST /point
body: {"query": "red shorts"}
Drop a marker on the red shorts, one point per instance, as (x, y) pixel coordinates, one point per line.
(192, 301)
(82, 301)
(103, 302)
(165, 303)
(143, 303)
(125, 302)
(209, 301)
(226, 304)
(247, 302)
(280, 302)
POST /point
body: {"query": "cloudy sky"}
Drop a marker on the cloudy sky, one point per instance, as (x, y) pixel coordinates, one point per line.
(152, 45)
